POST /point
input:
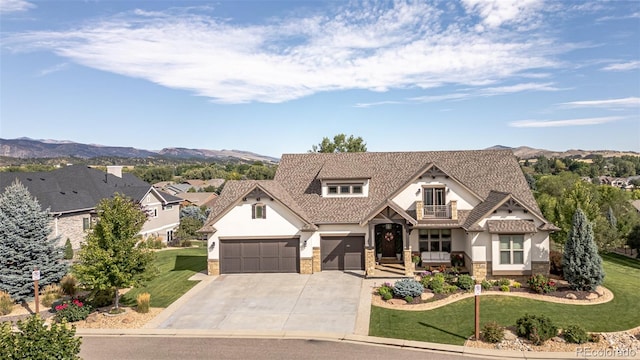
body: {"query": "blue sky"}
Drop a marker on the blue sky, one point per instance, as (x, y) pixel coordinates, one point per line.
(274, 77)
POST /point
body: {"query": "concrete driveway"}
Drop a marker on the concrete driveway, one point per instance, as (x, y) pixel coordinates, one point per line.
(325, 302)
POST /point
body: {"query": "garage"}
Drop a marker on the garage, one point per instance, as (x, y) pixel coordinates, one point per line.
(342, 253)
(259, 256)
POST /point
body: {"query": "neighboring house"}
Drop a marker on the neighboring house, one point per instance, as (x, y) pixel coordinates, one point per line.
(71, 194)
(177, 188)
(340, 211)
(197, 198)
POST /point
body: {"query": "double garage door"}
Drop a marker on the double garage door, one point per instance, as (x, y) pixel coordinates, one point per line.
(342, 253)
(259, 256)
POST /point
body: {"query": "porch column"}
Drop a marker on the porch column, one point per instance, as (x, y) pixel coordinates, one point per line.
(406, 241)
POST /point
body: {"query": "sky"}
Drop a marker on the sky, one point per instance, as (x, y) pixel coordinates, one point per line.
(275, 77)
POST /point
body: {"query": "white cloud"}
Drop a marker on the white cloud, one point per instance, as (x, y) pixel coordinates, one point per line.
(53, 69)
(9, 6)
(365, 47)
(520, 87)
(495, 13)
(444, 97)
(560, 123)
(630, 65)
(609, 103)
(389, 102)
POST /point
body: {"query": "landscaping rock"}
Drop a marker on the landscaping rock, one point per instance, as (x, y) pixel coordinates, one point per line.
(600, 291)
(396, 301)
(93, 317)
(558, 339)
(426, 296)
(571, 296)
(509, 335)
(592, 296)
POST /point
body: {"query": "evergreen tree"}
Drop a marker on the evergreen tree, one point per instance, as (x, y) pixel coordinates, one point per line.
(582, 265)
(68, 250)
(25, 244)
(110, 259)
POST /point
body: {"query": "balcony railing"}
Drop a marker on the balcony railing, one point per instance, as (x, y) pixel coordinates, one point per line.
(425, 212)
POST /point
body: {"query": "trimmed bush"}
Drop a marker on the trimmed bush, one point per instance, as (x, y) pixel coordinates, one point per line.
(465, 282)
(68, 250)
(537, 328)
(71, 311)
(505, 288)
(101, 298)
(449, 289)
(408, 299)
(492, 332)
(575, 334)
(486, 285)
(387, 296)
(516, 285)
(185, 243)
(541, 284)
(407, 287)
(437, 283)
(69, 284)
(143, 301)
(49, 294)
(503, 282)
(6, 303)
(555, 262)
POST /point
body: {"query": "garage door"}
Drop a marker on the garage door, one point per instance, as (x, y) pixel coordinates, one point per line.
(342, 253)
(259, 256)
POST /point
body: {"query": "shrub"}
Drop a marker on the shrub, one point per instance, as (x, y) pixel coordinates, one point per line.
(408, 299)
(486, 285)
(537, 328)
(385, 288)
(68, 250)
(152, 242)
(503, 282)
(541, 284)
(505, 288)
(555, 262)
(69, 284)
(35, 340)
(492, 332)
(575, 334)
(387, 296)
(516, 285)
(594, 338)
(407, 287)
(71, 311)
(50, 293)
(185, 243)
(465, 282)
(143, 301)
(101, 298)
(6, 303)
(437, 283)
(449, 289)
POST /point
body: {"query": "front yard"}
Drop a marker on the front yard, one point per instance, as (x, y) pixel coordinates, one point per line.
(454, 323)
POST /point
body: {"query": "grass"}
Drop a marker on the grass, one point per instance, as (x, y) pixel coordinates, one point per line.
(175, 267)
(454, 323)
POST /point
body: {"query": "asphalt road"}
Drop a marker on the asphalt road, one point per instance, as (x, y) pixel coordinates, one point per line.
(183, 348)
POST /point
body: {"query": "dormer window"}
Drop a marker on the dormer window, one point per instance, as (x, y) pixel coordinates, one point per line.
(345, 188)
(258, 211)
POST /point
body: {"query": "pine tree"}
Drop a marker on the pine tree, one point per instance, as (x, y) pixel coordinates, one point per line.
(68, 250)
(582, 265)
(25, 244)
(110, 259)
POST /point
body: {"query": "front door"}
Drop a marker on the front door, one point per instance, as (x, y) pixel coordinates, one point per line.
(389, 239)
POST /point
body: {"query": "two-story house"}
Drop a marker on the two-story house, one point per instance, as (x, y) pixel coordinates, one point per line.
(71, 194)
(350, 211)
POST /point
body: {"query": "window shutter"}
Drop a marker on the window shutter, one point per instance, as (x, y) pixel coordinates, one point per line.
(264, 211)
(253, 211)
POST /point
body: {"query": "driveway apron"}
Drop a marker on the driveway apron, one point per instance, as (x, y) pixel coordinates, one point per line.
(325, 302)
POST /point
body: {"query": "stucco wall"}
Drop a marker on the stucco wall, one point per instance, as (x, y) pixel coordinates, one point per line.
(412, 193)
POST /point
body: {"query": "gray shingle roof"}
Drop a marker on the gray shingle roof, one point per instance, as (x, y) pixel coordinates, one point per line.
(511, 226)
(487, 173)
(77, 187)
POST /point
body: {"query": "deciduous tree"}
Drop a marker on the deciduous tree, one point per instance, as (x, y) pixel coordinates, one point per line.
(110, 259)
(340, 143)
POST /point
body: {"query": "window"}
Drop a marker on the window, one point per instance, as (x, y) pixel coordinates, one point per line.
(511, 249)
(259, 211)
(434, 196)
(168, 207)
(435, 240)
(169, 236)
(344, 189)
(86, 224)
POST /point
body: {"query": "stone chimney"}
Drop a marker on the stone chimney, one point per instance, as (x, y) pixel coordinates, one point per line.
(115, 170)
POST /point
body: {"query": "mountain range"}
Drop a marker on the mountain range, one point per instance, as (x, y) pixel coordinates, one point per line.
(26, 148)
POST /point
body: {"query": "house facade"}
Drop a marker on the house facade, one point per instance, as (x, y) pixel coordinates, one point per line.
(71, 194)
(354, 211)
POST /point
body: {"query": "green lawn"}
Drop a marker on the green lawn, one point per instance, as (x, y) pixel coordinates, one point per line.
(175, 267)
(453, 324)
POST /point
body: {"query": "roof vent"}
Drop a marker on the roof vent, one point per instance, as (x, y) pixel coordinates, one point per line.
(62, 192)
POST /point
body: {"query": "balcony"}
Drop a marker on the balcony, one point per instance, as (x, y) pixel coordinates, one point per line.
(427, 212)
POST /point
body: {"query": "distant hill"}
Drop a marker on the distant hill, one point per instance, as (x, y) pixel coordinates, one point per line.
(26, 148)
(525, 152)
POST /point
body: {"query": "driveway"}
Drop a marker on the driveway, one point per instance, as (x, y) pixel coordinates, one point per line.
(324, 302)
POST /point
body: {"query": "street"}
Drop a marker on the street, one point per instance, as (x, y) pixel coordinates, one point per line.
(183, 348)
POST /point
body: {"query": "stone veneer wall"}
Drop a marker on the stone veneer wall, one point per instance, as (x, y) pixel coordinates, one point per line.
(370, 261)
(306, 265)
(213, 267)
(540, 267)
(408, 264)
(317, 263)
(70, 227)
(479, 270)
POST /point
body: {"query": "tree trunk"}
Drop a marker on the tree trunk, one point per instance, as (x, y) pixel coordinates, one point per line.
(117, 299)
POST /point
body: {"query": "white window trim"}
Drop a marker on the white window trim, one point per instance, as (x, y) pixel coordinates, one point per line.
(363, 184)
(495, 254)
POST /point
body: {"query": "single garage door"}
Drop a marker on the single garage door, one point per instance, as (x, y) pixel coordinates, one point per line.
(259, 256)
(342, 253)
